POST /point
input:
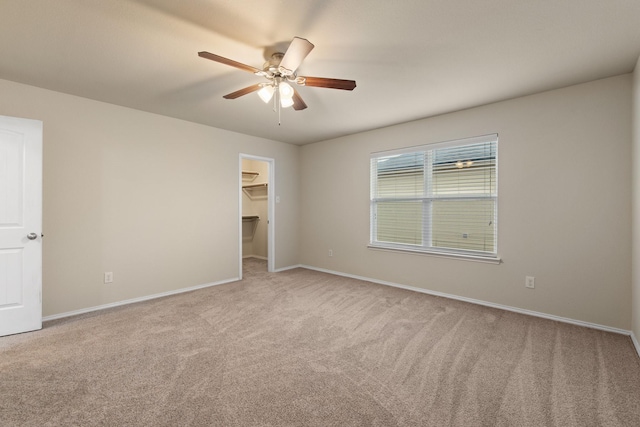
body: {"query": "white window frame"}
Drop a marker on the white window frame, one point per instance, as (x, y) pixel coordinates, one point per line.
(426, 247)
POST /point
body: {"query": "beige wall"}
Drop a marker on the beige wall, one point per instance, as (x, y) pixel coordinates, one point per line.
(564, 210)
(636, 201)
(150, 198)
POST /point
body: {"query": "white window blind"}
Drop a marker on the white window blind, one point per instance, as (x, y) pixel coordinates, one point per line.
(437, 197)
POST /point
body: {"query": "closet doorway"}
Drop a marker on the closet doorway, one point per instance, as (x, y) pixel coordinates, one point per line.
(257, 210)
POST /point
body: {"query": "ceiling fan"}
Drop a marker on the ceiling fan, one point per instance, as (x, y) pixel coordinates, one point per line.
(280, 71)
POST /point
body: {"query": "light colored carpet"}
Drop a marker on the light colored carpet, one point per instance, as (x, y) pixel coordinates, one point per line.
(303, 348)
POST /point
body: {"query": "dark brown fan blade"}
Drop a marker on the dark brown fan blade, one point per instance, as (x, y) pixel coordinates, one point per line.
(298, 103)
(330, 83)
(241, 92)
(227, 61)
(295, 54)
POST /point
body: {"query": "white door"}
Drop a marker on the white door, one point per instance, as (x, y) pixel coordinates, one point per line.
(20, 225)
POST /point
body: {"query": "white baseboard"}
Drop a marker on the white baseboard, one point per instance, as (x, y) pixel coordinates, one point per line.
(636, 344)
(291, 267)
(484, 303)
(278, 270)
(134, 300)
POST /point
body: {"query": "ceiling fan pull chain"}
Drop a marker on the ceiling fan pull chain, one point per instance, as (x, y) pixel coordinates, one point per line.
(277, 98)
(275, 103)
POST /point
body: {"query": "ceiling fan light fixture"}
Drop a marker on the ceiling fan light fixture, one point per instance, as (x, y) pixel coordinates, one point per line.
(286, 102)
(266, 93)
(286, 91)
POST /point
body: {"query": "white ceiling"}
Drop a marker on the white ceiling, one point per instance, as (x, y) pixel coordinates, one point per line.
(411, 58)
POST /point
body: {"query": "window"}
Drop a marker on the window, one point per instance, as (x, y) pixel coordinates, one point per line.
(437, 198)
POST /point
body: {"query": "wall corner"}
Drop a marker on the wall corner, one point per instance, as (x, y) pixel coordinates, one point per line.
(635, 203)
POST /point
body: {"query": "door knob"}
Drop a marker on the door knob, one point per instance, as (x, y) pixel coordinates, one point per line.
(32, 236)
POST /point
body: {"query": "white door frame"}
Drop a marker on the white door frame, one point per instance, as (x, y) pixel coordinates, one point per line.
(271, 191)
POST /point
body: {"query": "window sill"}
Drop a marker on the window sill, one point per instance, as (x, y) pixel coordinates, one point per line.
(449, 255)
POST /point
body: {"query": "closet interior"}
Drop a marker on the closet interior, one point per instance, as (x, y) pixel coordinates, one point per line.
(255, 196)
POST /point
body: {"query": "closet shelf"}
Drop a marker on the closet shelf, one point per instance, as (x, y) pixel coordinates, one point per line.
(249, 176)
(264, 184)
(255, 191)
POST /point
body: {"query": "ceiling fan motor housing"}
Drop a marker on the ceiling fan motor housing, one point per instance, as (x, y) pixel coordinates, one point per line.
(272, 70)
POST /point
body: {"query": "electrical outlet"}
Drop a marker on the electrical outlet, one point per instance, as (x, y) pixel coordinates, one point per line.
(108, 277)
(530, 282)
(330, 252)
